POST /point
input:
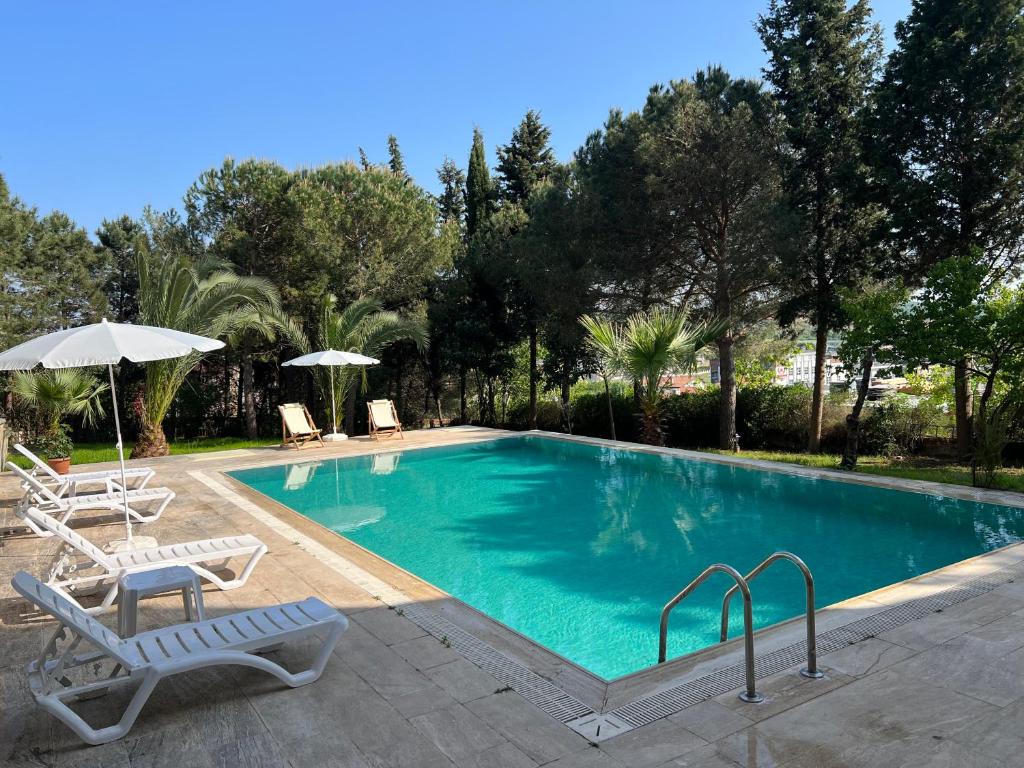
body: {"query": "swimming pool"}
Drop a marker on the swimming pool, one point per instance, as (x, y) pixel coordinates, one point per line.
(578, 546)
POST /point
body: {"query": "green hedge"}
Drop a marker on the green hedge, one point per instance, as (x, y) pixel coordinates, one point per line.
(767, 418)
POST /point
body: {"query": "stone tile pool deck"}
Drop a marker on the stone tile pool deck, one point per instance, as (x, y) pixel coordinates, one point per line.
(943, 689)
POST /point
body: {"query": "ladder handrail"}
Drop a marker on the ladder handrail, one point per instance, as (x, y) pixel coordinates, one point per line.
(812, 652)
(750, 694)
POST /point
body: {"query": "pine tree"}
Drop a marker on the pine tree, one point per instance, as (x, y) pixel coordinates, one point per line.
(823, 58)
(122, 240)
(479, 190)
(526, 160)
(451, 203)
(395, 160)
(949, 133)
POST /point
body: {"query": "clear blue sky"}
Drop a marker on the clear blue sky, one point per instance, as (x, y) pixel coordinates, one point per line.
(110, 106)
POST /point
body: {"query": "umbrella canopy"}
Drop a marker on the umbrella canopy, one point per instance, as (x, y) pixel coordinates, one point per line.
(106, 344)
(332, 358)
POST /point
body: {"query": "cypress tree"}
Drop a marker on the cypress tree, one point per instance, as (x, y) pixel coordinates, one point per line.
(395, 160)
(479, 190)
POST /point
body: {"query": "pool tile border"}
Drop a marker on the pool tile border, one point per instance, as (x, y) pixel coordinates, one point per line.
(563, 706)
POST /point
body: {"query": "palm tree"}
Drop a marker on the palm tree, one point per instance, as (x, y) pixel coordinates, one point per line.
(649, 346)
(59, 393)
(363, 326)
(203, 297)
(604, 342)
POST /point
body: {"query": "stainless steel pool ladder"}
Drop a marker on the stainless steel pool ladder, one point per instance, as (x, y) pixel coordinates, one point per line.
(749, 693)
(811, 670)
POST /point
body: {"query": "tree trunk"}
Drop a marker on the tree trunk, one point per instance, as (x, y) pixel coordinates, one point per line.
(250, 395)
(151, 442)
(853, 417)
(567, 402)
(531, 421)
(463, 405)
(818, 393)
(350, 411)
(727, 401)
(964, 395)
(611, 411)
(651, 430)
(492, 414)
(481, 401)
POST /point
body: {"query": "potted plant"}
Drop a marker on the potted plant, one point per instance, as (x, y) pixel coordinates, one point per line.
(53, 396)
(56, 447)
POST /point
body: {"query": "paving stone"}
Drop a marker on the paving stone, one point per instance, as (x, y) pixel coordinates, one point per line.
(457, 732)
(504, 755)
(540, 736)
(426, 652)
(652, 744)
(463, 680)
(387, 625)
(710, 720)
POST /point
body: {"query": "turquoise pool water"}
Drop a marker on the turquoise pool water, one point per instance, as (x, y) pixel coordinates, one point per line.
(578, 546)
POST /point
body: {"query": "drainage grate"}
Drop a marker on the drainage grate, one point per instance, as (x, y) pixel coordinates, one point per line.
(668, 702)
(531, 686)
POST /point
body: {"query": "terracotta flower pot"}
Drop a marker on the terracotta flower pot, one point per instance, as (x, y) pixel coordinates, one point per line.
(60, 466)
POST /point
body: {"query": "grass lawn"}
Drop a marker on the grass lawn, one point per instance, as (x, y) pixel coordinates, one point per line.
(88, 453)
(1010, 478)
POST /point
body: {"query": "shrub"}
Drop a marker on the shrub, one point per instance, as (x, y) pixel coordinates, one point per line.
(898, 426)
(590, 414)
(549, 415)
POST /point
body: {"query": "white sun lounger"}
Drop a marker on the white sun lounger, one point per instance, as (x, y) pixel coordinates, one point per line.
(39, 496)
(69, 484)
(204, 556)
(148, 658)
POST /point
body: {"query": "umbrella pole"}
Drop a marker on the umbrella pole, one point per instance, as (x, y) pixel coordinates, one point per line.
(120, 456)
(334, 416)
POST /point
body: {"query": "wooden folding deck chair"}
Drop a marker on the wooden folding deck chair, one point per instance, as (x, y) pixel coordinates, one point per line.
(383, 419)
(145, 659)
(297, 427)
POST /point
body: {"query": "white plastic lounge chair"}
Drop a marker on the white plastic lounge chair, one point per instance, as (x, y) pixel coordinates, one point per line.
(384, 419)
(70, 484)
(148, 658)
(297, 425)
(204, 556)
(40, 496)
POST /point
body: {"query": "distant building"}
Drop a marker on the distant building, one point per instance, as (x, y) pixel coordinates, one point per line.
(799, 369)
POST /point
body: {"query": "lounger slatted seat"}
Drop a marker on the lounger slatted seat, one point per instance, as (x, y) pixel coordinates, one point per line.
(297, 427)
(383, 419)
(70, 484)
(204, 557)
(149, 657)
(40, 496)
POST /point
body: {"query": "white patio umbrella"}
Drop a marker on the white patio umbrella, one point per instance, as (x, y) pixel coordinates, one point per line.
(331, 358)
(106, 344)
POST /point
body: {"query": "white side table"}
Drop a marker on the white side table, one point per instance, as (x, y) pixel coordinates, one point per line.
(134, 586)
